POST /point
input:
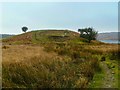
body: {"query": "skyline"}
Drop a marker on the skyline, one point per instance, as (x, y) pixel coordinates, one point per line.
(102, 16)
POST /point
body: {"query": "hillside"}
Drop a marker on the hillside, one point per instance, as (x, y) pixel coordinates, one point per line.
(108, 36)
(58, 59)
(44, 36)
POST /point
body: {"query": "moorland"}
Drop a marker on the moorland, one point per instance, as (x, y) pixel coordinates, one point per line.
(52, 59)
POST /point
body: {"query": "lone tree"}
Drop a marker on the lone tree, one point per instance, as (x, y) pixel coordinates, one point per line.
(88, 33)
(24, 29)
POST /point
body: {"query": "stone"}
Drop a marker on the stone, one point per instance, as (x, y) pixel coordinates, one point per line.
(113, 72)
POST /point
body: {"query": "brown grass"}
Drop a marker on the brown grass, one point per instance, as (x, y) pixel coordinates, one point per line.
(26, 37)
(18, 53)
(105, 48)
(31, 66)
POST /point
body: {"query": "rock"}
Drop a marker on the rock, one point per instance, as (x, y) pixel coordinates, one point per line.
(113, 72)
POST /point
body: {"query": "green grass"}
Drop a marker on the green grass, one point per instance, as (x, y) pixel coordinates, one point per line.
(97, 80)
(44, 36)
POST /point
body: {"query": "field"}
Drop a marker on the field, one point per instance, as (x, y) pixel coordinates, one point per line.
(52, 59)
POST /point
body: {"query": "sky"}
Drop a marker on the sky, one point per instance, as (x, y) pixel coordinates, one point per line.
(102, 16)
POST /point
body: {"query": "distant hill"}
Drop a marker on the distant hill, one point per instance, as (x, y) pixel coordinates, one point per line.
(5, 35)
(109, 36)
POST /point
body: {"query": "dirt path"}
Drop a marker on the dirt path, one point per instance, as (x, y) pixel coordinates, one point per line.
(109, 79)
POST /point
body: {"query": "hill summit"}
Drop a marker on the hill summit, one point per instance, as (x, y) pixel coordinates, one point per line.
(43, 36)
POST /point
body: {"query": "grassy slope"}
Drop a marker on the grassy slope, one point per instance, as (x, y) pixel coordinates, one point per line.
(62, 62)
(42, 36)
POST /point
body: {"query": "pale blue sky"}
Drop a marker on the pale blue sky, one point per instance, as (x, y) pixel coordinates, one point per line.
(59, 15)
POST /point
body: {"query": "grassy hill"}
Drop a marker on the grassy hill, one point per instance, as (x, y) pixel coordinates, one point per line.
(46, 36)
(42, 36)
(57, 59)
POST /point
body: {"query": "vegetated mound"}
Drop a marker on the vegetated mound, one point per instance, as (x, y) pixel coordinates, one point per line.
(43, 36)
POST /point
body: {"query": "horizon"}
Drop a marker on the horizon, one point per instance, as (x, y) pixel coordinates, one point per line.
(102, 16)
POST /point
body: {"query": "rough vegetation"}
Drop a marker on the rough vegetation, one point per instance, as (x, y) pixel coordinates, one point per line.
(57, 59)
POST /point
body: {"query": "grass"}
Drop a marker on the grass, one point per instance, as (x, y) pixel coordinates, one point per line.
(44, 36)
(97, 80)
(39, 68)
(111, 60)
(46, 63)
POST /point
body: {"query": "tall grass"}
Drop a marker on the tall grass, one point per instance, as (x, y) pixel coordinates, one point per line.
(52, 65)
(47, 70)
(48, 73)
